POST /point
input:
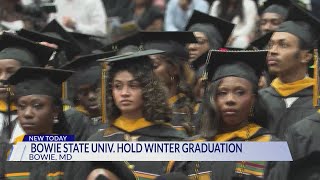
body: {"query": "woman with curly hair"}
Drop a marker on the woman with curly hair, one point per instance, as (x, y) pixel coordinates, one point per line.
(173, 70)
(137, 108)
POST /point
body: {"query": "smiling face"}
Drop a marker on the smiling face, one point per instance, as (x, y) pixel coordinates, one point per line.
(36, 113)
(234, 99)
(7, 68)
(127, 93)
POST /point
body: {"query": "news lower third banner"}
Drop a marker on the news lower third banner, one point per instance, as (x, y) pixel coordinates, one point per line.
(64, 148)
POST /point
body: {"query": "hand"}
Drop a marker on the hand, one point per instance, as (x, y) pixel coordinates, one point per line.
(68, 22)
(49, 45)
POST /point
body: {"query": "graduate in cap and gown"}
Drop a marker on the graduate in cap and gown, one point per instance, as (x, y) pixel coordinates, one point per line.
(229, 106)
(291, 49)
(172, 69)
(15, 52)
(303, 140)
(39, 107)
(272, 14)
(211, 33)
(137, 108)
(86, 85)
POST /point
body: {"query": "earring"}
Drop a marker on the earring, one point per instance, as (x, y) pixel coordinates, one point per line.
(251, 112)
(55, 120)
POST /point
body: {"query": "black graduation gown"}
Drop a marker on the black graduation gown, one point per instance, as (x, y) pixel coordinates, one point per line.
(78, 124)
(19, 170)
(278, 116)
(304, 142)
(182, 121)
(157, 132)
(228, 170)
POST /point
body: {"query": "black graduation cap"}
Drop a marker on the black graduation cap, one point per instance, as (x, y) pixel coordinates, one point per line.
(236, 63)
(35, 80)
(261, 42)
(27, 52)
(88, 70)
(141, 38)
(119, 168)
(88, 42)
(225, 28)
(302, 24)
(131, 56)
(200, 61)
(275, 6)
(47, 37)
(87, 60)
(54, 27)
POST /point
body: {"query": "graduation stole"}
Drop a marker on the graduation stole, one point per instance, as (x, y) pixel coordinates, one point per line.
(130, 125)
(255, 168)
(174, 99)
(26, 175)
(291, 88)
(82, 109)
(4, 107)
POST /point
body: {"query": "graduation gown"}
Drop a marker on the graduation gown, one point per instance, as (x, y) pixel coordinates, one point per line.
(181, 120)
(94, 123)
(278, 116)
(78, 124)
(32, 170)
(303, 140)
(249, 170)
(6, 127)
(142, 130)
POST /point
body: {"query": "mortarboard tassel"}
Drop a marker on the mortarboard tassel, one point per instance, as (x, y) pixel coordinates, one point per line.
(103, 93)
(316, 77)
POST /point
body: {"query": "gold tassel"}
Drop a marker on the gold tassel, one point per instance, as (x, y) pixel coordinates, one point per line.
(316, 77)
(64, 94)
(103, 93)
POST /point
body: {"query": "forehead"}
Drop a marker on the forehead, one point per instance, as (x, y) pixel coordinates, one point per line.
(270, 15)
(199, 35)
(35, 97)
(233, 82)
(9, 63)
(123, 76)
(279, 36)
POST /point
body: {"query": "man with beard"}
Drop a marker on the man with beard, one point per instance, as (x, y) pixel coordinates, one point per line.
(290, 50)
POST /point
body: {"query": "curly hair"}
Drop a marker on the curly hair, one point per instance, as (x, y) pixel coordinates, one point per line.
(155, 107)
(184, 78)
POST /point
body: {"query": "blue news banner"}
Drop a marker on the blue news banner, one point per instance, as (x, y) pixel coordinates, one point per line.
(64, 148)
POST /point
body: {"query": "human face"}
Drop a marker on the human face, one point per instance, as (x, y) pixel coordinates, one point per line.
(162, 69)
(197, 49)
(36, 114)
(234, 99)
(284, 54)
(127, 93)
(88, 97)
(269, 22)
(7, 68)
